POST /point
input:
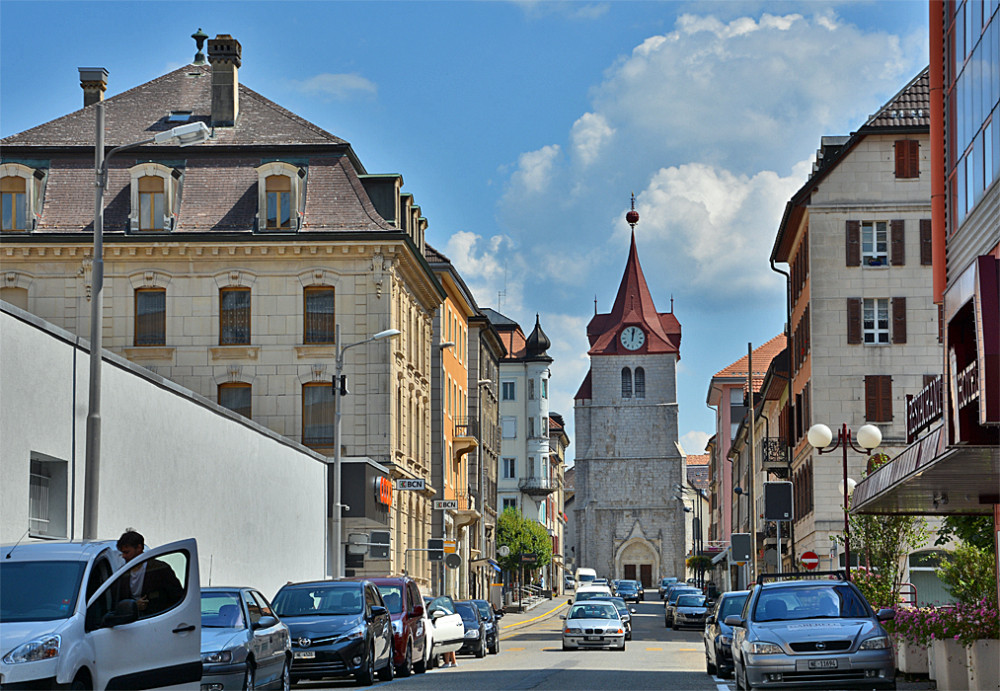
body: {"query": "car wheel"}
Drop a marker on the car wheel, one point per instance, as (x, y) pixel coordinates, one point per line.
(366, 675)
(80, 683)
(495, 650)
(481, 649)
(746, 681)
(286, 675)
(248, 677)
(623, 646)
(388, 673)
(407, 668)
(709, 667)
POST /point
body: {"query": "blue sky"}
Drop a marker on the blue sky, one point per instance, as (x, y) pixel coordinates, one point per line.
(521, 128)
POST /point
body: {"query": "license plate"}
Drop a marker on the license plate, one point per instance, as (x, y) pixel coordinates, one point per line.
(307, 655)
(593, 638)
(822, 664)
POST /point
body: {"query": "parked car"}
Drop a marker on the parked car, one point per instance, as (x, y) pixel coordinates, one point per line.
(642, 590)
(664, 584)
(491, 618)
(593, 625)
(62, 609)
(669, 605)
(243, 644)
(448, 630)
(623, 611)
(629, 590)
(409, 632)
(475, 629)
(690, 610)
(811, 633)
(338, 628)
(589, 592)
(568, 582)
(718, 635)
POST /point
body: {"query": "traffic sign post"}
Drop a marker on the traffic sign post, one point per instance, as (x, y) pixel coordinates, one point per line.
(809, 560)
(435, 548)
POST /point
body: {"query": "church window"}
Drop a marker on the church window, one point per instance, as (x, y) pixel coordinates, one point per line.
(640, 382)
(626, 382)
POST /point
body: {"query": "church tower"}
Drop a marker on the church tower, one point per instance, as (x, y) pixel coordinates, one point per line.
(628, 523)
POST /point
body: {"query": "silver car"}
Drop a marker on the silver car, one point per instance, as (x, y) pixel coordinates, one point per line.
(243, 644)
(593, 624)
(813, 633)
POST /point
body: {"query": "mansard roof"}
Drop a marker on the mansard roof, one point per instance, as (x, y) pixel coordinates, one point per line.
(634, 307)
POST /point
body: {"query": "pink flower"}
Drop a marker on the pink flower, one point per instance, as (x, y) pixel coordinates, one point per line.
(956, 637)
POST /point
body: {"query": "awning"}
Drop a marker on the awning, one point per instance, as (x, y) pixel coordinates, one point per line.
(496, 566)
(720, 556)
(929, 478)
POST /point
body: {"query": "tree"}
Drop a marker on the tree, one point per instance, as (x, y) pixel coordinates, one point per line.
(969, 573)
(971, 530)
(523, 536)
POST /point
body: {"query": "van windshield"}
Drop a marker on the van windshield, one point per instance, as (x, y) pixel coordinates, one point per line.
(39, 590)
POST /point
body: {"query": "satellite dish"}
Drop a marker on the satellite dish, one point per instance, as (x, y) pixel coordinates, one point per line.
(503, 551)
(452, 561)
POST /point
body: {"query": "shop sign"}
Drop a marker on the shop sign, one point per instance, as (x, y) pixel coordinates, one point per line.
(445, 504)
(404, 483)
(924, 408)
(383, 490)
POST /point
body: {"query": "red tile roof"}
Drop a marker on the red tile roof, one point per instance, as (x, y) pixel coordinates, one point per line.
(585, 390)
(762, 356)
(697, 459)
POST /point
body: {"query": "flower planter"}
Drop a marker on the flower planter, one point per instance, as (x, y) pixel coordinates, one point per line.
(911, 658)
(951, 666)
(983, 659)
(931, 671)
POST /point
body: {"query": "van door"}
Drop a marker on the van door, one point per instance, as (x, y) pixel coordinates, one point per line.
(160, 645)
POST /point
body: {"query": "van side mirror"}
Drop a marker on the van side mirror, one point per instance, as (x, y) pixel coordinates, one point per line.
(734, 620)
(437, 614)
(125, 612)
(265, 622)
(418, 610)
(378, 610)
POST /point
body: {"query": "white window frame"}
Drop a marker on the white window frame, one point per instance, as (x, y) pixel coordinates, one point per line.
(296, 196)
(508, 502)
(509, 468)
(508, 426)
(873, 312)
(34, 180)
(504, 388)
(875, 244)
(171, 195)
(48, 493)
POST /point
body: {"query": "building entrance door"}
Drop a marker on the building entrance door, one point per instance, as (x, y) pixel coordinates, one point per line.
(629, 572)
(645, 575)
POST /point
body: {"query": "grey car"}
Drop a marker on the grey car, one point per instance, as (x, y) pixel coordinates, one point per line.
(243, 644)
(811, 633)
(719, 637)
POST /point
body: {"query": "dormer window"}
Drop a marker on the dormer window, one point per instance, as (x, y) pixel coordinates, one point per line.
(155, 195)
(20, 195)
(281, 196)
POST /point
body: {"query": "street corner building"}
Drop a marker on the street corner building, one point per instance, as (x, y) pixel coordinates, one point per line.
(628, 461)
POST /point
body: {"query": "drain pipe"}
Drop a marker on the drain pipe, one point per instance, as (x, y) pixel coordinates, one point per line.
(788, 431)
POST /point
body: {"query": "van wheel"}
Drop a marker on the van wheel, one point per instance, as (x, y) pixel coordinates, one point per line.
(407, 667)
(366, 675)
(388, 673)
(81, 683)
(421, 665)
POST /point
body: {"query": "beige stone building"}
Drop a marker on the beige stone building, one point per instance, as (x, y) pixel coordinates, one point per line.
(230, 265)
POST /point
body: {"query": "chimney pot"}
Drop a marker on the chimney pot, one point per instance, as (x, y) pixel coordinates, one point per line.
(93, 81)
(224, 53)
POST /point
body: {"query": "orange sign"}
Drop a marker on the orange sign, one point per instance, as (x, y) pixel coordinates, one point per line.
(383, 491)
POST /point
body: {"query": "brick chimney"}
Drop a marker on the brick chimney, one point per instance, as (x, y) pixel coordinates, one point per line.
(224, 55)
(93, 81)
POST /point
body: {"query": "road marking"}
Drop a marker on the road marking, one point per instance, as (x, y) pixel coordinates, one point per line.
(687, 650)
(548, 650)
(540, 616)
(659, 650)
(513, 650)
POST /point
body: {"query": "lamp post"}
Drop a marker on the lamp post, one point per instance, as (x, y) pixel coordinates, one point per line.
(336, 551)
(182, 135)
(698, 544)
(869, 436)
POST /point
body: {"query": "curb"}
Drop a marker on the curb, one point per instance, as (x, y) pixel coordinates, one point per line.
(510, 628)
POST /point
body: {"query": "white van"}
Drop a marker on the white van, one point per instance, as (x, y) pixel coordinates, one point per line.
(63, 622)
(585, 577)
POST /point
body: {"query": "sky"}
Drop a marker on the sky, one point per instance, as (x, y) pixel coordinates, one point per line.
(523, 127)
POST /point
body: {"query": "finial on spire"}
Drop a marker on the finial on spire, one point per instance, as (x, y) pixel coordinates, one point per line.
(671, 303)
(595, 304)
(632, 217)
(199, 39)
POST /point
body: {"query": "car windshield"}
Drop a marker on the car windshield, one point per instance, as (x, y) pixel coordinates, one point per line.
(594, 610)
(393, 596)
(810, 602)
(618, 603)
(39, 590)
(585, 595)
(484, 608)
(627, 586)
(221, 611)
(325, 599)
(674, 594)
(691, 601)
(731, 605)
(469, 613)
(667, 581)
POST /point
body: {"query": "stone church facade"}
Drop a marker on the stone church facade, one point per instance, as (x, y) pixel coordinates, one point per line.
(629, 525)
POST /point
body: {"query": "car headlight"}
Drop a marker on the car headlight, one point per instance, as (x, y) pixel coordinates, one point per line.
(876, 643)
(222, 656)
(397, 627)
(472, 634)
(765, 648)
(726, 640)
(354, 634)
(43, 648)
(572, 630)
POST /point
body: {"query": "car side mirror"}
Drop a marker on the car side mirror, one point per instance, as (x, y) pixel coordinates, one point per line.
(886, 614)
(734, 620)
(437, 614)
(125, 612)
(378, 610)
(569, 602)
(418, 610)
(562, 616)
(498, 613)
(632, 610)
(265, 623)
(710, 619)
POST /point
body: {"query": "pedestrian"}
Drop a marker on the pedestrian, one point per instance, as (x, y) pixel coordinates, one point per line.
(448, 660)
(153, 584)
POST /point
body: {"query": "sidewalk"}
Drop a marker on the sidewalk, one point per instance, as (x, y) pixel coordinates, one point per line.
(540, 611)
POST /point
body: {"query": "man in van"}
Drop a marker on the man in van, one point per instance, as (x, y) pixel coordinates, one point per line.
(153, 585)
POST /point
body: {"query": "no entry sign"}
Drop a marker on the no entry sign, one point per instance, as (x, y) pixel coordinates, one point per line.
(810, 560)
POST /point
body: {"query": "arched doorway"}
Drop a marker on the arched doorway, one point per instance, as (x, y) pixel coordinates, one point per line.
(637, 559)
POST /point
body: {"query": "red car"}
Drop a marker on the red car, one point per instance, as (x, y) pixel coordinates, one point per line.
(406, 609)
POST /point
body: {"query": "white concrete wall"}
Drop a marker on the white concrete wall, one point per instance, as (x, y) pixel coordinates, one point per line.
(173, 464)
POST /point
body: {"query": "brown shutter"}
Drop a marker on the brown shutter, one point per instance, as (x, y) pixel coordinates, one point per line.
(871, 398)
(914, 159)
(900, 158)
(899, 320)
(926, 252)
(853, 320)
(854, 243)
(897, 248)
(885, 399)
(907, 158)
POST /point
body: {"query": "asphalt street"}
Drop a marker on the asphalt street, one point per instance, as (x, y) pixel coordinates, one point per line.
(531, 657)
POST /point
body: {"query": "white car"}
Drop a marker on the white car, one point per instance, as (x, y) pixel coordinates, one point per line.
(61, 611)
(446, 629)
(593, 625)
(588, 592)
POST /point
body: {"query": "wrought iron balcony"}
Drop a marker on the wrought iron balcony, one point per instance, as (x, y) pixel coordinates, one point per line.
(537, 486)
(773, 455)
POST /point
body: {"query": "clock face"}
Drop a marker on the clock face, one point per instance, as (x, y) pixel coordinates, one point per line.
(633, 338)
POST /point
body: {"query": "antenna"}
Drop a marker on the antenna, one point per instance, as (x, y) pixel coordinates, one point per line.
(18, 542)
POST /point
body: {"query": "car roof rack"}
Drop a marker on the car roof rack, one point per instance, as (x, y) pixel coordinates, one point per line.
(789, 575)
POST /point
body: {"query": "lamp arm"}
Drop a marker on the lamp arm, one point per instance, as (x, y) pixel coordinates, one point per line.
(117, 150)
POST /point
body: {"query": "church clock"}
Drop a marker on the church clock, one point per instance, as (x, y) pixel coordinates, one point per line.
(633, 337)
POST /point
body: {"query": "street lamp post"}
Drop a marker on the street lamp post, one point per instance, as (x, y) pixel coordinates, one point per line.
(869, 436)
(182, 135)
(337, 531)
(697, 543)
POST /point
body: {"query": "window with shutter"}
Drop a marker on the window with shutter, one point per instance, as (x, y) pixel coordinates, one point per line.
(874, 243)
(875, 321)
(853, 243)
(898, 242)
(907, 158)
(878, 398)
(899, 320)
(926, 248)
(854, 321)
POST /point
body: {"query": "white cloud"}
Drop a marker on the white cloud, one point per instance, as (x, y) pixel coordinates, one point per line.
(534, 170)
(338, 86)
(589, 135)
(694, 442)
(489, 267)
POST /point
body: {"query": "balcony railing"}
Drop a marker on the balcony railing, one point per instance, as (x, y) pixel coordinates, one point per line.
(537, 486)
(773, 455)
(467, 427)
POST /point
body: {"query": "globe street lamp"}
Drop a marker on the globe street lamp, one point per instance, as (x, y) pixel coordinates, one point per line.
(869, 436)
(182, 135)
